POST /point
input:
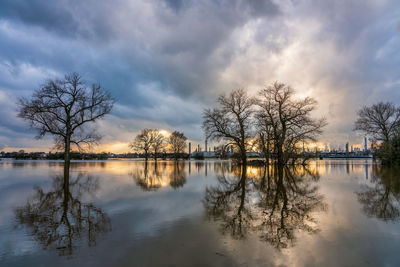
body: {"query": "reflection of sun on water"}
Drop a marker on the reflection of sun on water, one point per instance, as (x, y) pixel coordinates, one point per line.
(152, 176)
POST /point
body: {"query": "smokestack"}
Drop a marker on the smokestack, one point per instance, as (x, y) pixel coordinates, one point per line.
(198, 148)
(190, 148)
(365, 144)
(205, 146)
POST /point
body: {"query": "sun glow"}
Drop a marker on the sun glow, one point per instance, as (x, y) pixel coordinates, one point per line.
(165, 133)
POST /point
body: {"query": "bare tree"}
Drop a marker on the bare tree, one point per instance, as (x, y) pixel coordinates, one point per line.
(380, 121)
(143, 142)
(177, 142)
(290, 119)
(158, 142)
(64, 108)
(231, 121)
(264, 137)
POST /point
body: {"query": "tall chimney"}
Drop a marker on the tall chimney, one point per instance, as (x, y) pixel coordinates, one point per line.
(190, 148)
(205, 146)
(365, 144)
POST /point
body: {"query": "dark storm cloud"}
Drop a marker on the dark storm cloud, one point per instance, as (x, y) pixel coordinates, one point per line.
(158, 47)
(143, 49)
(165, 60)
(47, 14)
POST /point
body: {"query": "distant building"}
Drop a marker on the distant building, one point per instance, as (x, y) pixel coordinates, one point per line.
(365, 144)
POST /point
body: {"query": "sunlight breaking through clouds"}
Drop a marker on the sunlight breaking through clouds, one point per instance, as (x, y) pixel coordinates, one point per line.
(164, 61)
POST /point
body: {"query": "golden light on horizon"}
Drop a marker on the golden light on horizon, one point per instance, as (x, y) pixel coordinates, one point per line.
(165, 132)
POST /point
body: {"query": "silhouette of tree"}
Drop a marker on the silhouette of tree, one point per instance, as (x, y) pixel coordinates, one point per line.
(383, 199)
(177, 142)
(274, 206)
(143, 142)
(287, 121)
(158, 142)
(59, 220)
(380, 121)
(65, 108)
(264, 138)
(231, 121)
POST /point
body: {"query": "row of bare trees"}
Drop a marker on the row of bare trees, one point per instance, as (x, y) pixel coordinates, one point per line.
(154, 141)
(275, 122)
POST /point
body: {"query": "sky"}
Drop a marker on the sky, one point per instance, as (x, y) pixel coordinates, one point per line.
(164, 61)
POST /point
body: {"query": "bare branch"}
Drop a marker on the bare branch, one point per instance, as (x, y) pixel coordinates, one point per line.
(62, 107)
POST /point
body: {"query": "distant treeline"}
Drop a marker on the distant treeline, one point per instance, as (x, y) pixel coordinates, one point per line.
(84, 156)
(55, 156)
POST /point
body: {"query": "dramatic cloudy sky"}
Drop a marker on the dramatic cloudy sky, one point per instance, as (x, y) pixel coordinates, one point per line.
(166, 60)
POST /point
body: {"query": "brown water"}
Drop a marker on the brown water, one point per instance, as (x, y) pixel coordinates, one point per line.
(198, 213)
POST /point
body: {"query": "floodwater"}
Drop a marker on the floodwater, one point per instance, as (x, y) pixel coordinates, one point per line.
(198, 213)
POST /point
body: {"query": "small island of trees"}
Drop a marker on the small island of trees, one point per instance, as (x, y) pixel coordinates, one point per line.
(274, 121)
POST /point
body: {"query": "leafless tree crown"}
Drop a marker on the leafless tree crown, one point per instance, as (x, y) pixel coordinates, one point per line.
(380, 121)
(177, 142)
(143, 142)
(287, 120)
(279, 123)
(64, 108)
(149, 140)
(232, 120)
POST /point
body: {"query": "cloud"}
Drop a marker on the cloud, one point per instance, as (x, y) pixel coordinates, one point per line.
(164, 61)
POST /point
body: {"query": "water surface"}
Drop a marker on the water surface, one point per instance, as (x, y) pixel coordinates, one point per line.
(198, 213)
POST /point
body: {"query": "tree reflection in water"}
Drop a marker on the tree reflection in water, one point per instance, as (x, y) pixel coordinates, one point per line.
(151, 176)
(59, 219)
(382, 200)
(271, 201)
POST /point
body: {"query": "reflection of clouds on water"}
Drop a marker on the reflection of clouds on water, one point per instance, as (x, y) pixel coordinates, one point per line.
(273, 202)
(59, 220)
(169, 224)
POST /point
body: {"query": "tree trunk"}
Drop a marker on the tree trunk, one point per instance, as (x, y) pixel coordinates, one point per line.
(67, 158)
(279, 155)
(267, 155)
(243, 154)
